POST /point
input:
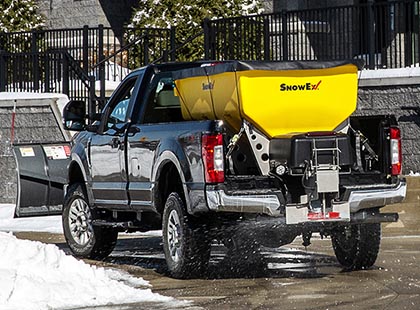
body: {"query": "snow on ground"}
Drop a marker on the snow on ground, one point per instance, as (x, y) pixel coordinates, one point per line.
(38, 276)
(50, 224)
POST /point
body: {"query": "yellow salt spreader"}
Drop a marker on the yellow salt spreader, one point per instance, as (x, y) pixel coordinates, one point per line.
(278, 98)
(295, 116)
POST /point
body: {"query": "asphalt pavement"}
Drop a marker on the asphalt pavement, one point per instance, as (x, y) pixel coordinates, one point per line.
(289, 277)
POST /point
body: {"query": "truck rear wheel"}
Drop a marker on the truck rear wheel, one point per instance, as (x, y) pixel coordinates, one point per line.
(84, 239)
(186, 247)
(357, 246)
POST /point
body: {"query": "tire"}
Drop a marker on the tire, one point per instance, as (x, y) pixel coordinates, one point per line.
(357, 246)
(84, 239)
(186, 247)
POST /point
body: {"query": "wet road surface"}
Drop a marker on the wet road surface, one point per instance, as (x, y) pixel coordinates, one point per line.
(290, 277)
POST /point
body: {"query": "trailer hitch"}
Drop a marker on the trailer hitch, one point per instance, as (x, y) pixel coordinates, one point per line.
(369, 216)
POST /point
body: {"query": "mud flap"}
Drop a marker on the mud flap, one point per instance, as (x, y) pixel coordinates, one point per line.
(41, 175)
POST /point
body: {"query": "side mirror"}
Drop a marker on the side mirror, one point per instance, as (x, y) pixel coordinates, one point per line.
(74, 115)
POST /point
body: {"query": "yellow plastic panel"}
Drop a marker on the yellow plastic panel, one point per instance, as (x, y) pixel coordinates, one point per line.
(225, 98)
(196, 102)
(298, 101)
(277, 102)
(215, 97)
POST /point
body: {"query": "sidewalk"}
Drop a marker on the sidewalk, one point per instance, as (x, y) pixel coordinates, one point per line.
(408, 210)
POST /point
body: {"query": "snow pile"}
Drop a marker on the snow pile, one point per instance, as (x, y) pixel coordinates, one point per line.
(37, 276)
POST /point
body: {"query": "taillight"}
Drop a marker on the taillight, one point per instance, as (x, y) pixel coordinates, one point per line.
(395, 150)
(212, 150)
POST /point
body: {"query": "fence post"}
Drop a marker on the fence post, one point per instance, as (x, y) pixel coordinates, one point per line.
(91, 102)
(35, 62)
(3, 71)
(101, 58)
(207, 38)
(146, 47)
(266, 38)
(416, 33)
(284, 32)
(47, 78)
(408, 48)
(85, 49)
(66, 74)
(172, 46)
(371, 33)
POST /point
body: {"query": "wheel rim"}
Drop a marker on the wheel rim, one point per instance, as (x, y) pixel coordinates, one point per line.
(174, 236)
(80, 221)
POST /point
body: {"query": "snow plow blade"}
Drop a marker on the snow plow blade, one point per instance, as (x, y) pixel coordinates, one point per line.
(41, 175)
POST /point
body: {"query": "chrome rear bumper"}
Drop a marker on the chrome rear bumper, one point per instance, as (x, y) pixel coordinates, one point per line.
(219, 201)
(360, 197)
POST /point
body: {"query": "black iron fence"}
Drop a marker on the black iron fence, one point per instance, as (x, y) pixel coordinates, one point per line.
(384, 34)
(54, 71)
(78, 62)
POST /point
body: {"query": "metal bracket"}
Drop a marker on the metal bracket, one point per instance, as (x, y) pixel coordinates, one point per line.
(260, 147)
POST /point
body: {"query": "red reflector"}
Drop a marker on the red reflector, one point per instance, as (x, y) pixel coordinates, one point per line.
(334, 215)
(213, 157)
(67, 150)
(313, 216)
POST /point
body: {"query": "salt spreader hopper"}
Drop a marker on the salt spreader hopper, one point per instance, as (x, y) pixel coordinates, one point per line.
(278, 98)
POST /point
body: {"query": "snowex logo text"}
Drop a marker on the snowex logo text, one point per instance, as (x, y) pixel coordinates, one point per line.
(296, 87)
(208, 86)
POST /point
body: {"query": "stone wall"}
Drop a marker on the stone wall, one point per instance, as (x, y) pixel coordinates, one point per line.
(377, 100)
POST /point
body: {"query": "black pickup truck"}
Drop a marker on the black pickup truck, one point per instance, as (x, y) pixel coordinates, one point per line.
(170, 152)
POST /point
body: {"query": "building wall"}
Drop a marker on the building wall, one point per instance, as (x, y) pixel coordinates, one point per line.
(317, 33)
(72, 13)
(77, 13)
(279, 5)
